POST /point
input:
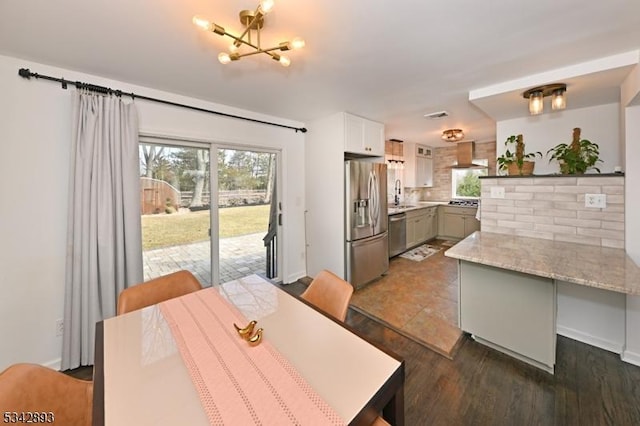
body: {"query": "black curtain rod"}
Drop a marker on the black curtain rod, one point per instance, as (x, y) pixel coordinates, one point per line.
(26, 73)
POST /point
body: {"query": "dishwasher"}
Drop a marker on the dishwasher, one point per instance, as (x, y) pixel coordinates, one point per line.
(397, 234)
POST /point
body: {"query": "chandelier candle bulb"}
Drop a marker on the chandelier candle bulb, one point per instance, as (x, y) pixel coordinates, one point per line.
(266, 6)
(284, 61)
(297, 43)
(201, 23)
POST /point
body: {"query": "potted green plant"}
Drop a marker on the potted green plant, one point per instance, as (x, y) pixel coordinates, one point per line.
(516, 162)
(577, 157)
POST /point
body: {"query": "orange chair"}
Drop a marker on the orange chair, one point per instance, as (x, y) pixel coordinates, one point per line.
(329, 293)
(52, 396)
(157, 290)
(379, 421)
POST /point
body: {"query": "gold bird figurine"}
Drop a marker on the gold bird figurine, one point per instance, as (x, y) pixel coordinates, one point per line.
(247, 331)
(256, 338)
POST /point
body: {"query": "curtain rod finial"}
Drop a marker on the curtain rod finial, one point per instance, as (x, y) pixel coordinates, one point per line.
(24, 72)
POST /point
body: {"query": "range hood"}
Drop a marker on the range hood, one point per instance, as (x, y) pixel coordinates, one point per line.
(465, 156)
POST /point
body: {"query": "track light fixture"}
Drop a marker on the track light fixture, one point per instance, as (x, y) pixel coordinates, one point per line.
(537, 94)
(253, 20)
(453, 135)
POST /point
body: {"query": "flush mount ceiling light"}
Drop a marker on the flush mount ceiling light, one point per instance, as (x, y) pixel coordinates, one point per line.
(253, 20)
(537, 94)
(453, 135)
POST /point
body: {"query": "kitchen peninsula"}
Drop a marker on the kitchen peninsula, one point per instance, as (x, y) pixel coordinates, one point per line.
(545, 263)
(508, 288)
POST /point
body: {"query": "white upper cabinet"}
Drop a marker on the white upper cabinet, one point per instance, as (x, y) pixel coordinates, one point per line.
(418, 165)
(362, 136)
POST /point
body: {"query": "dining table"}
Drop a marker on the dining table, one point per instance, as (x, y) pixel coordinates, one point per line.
(183, 361)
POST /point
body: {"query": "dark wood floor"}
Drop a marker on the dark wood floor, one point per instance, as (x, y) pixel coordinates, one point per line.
(484, 387)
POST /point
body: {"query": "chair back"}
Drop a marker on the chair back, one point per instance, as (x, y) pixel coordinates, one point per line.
(33, 388)
(329, 293)
(157, 290)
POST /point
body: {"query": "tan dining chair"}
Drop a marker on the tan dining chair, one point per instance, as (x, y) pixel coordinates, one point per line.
(157, 290)
(329, 293)
(379, 421)
(52, 396)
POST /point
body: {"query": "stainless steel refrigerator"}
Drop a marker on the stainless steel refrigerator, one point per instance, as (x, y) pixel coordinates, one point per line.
(367, 240)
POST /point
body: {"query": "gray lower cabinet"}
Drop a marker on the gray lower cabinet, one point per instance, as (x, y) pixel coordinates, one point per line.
(417, 227)
(422, 225)
(432, 222)
(510, 311)
(457, 222)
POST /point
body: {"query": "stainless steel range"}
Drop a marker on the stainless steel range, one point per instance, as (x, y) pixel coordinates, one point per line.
(464, 203)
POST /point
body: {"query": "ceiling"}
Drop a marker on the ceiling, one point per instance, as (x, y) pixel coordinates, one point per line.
(390, 61)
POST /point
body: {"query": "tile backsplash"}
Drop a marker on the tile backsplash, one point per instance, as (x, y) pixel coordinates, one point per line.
(553, 208)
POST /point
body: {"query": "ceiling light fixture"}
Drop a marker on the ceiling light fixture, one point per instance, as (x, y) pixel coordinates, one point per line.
(453, 135)
(253, 20)
(396, 163)
(537, 94)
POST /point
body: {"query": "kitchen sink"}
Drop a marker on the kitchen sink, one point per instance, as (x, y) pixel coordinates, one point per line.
(401, 207)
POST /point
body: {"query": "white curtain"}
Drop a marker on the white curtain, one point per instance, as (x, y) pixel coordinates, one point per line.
(104, 247)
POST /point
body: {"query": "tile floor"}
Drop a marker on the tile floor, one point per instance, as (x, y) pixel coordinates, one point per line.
(417, 299)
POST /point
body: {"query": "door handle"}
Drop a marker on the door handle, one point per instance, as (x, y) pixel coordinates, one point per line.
(280, 219)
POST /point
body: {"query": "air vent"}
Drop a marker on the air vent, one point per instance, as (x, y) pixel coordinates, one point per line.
(437, 115)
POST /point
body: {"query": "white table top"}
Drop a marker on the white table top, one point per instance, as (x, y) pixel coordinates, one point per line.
(146, 383)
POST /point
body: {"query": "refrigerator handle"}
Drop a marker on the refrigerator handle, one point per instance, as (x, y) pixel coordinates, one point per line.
(375, 201)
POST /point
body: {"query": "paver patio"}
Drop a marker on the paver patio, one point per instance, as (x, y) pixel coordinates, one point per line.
(239, 256)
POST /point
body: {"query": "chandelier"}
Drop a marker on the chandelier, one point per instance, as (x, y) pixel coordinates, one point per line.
(537, 94)
(453, 135)
(253, 20)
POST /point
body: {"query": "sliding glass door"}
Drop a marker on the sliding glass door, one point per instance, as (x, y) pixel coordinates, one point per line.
(175, 200)
(185, 198)
(248, 212)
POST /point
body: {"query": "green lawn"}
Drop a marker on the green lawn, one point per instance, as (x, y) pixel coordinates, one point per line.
(164, 230)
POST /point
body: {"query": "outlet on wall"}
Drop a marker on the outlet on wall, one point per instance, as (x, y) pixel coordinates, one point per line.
(59, 327)
(497, 192)
(598, 201)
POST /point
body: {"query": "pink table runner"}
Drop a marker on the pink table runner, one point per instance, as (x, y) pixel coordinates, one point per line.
(239, 384)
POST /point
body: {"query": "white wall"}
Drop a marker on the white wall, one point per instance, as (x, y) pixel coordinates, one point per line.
(325, 195)
(35, 120)
(591, 315)
(600, 124)
(630, 95)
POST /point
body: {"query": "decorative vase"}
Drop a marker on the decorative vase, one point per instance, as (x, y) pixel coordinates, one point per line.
(527, 169)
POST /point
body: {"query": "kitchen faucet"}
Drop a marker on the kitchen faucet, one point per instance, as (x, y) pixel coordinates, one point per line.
(397, 191)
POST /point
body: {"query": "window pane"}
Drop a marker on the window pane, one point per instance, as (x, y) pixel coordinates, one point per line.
(465, 182)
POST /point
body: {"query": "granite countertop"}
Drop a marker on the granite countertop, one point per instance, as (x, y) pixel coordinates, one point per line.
(392, 209)
(600, 267)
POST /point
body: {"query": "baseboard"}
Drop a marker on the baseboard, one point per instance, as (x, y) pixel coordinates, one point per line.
(294, 277)
(631, 357)
(607, 345)
(53, 364)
